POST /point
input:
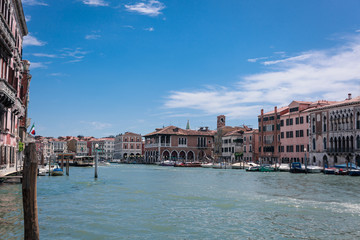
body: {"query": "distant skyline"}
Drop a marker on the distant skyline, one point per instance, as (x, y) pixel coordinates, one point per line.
(103, 67)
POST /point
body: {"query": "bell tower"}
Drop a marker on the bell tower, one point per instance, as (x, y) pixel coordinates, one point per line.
(220, 121)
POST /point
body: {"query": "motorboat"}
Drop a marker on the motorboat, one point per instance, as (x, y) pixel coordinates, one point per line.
(266, 168)
(330, 170)
(237, 165)
(253, 169)
(314, 169)
(167, 163)
(57, 171)
(188, 164)
(284, 168)
(296, 167)
(207, 165)
(222, 165)
(354, 172)
(104, 163)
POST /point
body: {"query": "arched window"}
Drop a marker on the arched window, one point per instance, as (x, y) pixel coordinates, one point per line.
(324, 128)
(358, 121)
(331, 145)
(358, 142)
(324, 143)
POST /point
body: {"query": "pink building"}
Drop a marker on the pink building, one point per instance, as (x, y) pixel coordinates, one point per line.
(251, 145)
(12, 106)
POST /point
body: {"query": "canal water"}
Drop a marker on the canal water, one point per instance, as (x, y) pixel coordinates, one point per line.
(152, 202)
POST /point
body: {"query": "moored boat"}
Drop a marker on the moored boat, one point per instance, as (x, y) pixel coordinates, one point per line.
(57, 172)
(167, 163)
(284, 167)
(296, 167)
(266, 168)
(207, 165)
(354, 172)
(314, 169)
(330, 170)
(253, 169)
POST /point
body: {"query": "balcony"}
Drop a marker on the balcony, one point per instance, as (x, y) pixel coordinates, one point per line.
(6, 36)
(19, 108)
(7, 94)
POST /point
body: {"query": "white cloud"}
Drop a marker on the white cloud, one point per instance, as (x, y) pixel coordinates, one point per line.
(129, 26)
(34, 2)
(319, 74)
(27, 18)
(75, 55)
(150, 29)
(92, 36)
(32, 41)
(44, 55)
(151, 8)
(97, 125)
(34, 65)
(256, 59)
(96, 3)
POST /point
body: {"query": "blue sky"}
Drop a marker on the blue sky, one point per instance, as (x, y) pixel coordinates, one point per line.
(103, 67)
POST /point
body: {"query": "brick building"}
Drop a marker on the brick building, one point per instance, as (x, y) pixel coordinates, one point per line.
(173, 143)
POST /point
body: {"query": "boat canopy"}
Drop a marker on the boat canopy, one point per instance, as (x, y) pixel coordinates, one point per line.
(350, 165)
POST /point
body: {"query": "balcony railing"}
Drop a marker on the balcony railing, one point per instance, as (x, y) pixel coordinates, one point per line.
(7, 94)
(6, 34)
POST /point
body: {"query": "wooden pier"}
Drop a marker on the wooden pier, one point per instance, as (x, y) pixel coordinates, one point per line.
(11, 179)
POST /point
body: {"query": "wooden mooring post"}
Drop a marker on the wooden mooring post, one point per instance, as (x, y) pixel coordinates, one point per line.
(31, 224)
(67, 167)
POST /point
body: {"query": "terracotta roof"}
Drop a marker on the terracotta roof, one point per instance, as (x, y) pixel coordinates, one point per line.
(173, 130)
(278, 111)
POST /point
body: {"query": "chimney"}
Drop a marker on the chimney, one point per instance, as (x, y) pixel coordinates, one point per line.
(349, 96)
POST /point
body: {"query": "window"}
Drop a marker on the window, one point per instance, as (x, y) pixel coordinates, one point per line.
(301, 133)
(297, 121)
(297, 148)
(282, 134)
(245, 148)
(250, 138)
(244, 139)
(291, 121)
(282, 123)
(301, 120)
(250, 149)
(314, 146)
(324, 143)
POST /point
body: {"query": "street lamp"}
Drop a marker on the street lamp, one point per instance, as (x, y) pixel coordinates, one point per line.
(96, 159)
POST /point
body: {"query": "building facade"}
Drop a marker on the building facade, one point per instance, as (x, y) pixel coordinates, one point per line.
(78, 146)
(128, 145)
(251, 146)
(232, 146)
(173, 143)
(269, 135)
(335, 133)
(12, 106)
(105, 149)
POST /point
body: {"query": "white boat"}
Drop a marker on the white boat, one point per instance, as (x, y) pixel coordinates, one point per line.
(314, 169)
(207, 165)
(167, 163)
(44, 171)
(103, 163)
(222, 165)
(284, 168)
(237, 165)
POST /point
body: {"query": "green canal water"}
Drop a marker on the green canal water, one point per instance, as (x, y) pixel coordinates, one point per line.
(152, 202)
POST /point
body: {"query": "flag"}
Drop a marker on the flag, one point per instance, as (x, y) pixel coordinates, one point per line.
(32, 130)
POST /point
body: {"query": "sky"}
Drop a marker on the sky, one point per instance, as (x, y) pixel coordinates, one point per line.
(104, 67)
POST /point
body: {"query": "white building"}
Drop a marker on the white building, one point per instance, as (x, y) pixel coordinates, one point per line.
(106, 148)
(335, 133)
